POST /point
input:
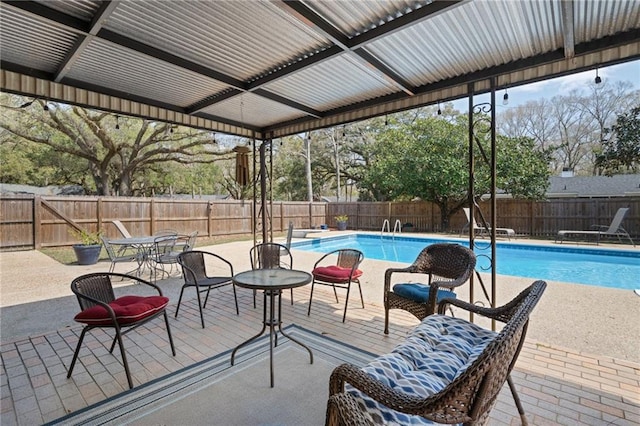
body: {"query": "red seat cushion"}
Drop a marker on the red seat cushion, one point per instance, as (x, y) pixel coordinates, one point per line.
(128, 310)
(335, 274)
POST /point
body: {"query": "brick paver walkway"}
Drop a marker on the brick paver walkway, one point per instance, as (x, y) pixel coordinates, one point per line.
(556, 385)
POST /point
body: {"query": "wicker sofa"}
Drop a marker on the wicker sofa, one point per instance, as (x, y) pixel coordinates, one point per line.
(447, 370)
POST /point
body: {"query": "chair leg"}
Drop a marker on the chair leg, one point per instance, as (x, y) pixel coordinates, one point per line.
(346, 302)
(235, 296)
(310, 298)
(200, 305)
(360, 289)
(166, 321)
(516, 398)
(292, 297)
(206, 298)
(77, 351)
(179, 300)
(335, 293)
(113, 343)
(124, 358)
(254, 299)
(386, 320)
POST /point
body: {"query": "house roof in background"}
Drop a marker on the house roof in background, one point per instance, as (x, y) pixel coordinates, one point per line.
(594, 186)
(272, 68)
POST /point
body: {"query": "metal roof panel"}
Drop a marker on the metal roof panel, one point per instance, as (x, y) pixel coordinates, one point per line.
(242, 39)
(33, 43)
(460, 42)
(82, 9)
(334, 83)
(112, 66)
(249, 108)
(354, 17)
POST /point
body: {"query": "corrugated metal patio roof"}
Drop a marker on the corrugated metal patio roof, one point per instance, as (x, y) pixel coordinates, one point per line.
(272, 68)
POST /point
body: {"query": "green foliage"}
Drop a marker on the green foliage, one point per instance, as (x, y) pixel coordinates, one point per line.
(428, 159)
(85, 237)
(341, 218)
(105, 153)
(621, 151)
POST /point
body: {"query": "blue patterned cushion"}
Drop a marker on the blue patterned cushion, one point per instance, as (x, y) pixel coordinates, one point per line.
(435, 352)
(420, 292)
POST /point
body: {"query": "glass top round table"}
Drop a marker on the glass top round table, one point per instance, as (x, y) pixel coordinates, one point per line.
(272, 279)
(272, 282)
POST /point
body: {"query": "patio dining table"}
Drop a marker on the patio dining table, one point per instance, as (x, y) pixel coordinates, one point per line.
(144, 247)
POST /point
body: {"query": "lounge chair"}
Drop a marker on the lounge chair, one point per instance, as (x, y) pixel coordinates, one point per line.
(613, 230)
(121, 228)
(484, 230)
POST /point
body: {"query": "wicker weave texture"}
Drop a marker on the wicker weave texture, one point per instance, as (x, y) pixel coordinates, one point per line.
(470, 396)
(446, 265)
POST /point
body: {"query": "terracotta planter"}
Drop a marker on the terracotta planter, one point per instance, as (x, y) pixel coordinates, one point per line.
(87, 254)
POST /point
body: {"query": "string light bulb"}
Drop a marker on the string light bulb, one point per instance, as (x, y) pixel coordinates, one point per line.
(598, 80)
(505, 98)
(117, 122)
(439, 110)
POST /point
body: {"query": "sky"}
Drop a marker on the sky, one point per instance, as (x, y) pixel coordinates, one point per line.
(628, 71)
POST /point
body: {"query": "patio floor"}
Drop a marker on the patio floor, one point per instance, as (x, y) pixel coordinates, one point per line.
(557, 385)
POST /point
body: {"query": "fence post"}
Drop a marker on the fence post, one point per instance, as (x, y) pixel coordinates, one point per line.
(37, 222)
(209, 218)
(99, 214)
(152, 217)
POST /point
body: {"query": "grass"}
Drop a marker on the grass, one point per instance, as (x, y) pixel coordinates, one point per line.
(66, 256)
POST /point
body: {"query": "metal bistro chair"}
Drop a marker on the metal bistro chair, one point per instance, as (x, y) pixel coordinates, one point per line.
(164, 253)
(194, 269)
(341, 274)
(446, 265)
(123, 254)
(270, 256)
(101, 309)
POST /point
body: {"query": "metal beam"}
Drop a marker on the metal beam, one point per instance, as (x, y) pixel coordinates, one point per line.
(104, 11)
(566, 12)
(319, 24)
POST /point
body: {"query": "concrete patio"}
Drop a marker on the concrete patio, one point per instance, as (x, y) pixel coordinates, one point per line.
(580, 364)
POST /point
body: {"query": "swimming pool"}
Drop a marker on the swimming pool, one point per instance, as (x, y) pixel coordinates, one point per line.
(594, 266)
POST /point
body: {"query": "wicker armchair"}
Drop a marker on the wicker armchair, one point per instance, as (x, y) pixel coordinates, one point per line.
(446, 265)
(468, 398)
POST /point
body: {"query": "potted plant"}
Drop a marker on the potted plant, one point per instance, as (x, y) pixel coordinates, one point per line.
(341, 221)
(88, 250)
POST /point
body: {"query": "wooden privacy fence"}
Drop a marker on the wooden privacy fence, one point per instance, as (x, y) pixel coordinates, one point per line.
(34, 222)
(528, 218)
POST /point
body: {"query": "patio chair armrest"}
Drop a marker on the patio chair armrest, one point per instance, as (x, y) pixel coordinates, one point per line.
(501, 313)
(387, 275)
(106, 306)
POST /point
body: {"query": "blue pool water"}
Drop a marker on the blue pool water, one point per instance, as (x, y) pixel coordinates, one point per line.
(600, 267)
